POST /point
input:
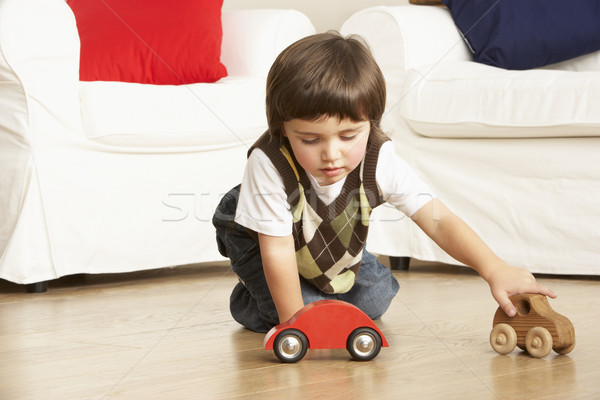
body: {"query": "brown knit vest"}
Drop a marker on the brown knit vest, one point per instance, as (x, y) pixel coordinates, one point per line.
(329, 239)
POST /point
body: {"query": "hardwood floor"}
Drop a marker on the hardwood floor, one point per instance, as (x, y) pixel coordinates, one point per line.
(167, 334)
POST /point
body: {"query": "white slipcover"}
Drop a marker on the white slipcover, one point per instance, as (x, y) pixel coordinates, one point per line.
(516, 154)
(99, 177)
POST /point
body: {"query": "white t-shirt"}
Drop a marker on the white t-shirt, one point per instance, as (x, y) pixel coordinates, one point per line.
(263, 207)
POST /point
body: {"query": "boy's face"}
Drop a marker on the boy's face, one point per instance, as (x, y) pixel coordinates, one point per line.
(328, 148)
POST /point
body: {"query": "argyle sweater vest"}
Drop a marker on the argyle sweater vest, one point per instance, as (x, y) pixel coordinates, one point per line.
(328, 239)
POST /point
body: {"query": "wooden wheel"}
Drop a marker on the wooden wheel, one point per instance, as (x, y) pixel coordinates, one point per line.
(503, 338)
(538, 342)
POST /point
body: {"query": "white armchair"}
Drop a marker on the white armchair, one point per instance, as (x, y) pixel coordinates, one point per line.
(515, 153)
(103, 177)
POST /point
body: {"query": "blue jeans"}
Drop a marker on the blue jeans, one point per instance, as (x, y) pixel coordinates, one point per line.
(251, 303)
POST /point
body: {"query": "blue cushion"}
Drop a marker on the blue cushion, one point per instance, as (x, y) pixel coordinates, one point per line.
(524, 34)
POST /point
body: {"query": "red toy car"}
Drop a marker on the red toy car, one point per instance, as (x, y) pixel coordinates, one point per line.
(326, 324)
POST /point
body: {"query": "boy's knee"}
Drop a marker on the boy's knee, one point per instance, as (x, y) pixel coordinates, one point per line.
(374, 300)
(374, 308)
(246, 311)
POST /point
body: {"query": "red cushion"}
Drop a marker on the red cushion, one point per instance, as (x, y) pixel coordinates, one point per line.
(150, 41)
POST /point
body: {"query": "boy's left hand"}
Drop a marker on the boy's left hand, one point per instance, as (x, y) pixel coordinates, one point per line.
(507, 281)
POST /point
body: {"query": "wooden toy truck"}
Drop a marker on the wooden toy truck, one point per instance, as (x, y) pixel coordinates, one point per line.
(536, 328)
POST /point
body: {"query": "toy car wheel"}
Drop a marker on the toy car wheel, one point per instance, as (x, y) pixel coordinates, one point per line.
(538, 342)
(290, 345)
(503, 338)
(364, 344)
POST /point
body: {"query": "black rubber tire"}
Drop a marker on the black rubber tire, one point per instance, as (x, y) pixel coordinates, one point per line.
(290, 345)
(364, 344)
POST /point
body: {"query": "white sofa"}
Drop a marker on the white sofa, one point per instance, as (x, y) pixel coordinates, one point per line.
(515, 153)
(103, 177)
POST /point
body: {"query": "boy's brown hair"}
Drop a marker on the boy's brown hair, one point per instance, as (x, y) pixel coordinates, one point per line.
(325, 75)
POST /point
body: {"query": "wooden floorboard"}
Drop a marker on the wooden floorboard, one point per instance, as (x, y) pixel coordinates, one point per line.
(167, 334)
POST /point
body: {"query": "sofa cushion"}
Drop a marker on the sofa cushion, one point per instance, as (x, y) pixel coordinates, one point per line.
(588, 62)
(517, 34)
(169, 43)
(463, 99)
(202, 115)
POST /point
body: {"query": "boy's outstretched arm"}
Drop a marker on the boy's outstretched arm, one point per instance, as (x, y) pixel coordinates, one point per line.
(457, 239)
(281, 271)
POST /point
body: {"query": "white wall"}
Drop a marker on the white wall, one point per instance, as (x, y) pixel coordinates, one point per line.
(324, 14)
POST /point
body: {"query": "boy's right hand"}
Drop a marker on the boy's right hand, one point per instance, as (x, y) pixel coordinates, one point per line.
(281, 271)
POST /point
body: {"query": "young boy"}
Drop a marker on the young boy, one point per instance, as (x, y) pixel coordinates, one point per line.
(295, 230)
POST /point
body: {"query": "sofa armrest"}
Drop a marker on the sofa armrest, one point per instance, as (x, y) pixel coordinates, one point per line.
(252, 39)
(409, 36)
(39, 103)
(39, 70)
